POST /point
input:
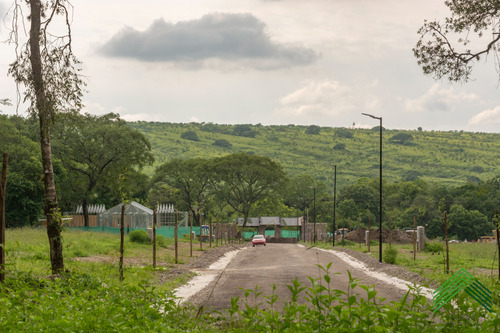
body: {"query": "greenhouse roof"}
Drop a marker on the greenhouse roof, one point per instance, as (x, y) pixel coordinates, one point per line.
(132, 208)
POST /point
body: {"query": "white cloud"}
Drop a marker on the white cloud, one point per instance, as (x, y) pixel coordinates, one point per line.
(438, 98)
(486, 118)
(220, 36)
(319, 100)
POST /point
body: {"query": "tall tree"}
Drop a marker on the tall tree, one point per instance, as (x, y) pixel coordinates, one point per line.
(96, 149)
(192, 178)
(24, 199)
(47, 67)
(443, 49)
(245, 179)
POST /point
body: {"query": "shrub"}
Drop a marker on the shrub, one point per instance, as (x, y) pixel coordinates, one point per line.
(139, 236)
(339, 146)
(161, 241)
(222, 143)
(433, 247)
(245, 131)
(313, 129)
(343, 133)
(190, 135)
(390, 255)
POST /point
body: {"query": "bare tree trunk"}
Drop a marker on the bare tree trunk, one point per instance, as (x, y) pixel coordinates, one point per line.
(45, 111)
(3, 193)
(85, 208)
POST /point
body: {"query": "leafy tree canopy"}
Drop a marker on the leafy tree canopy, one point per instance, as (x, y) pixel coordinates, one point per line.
(222, 143)
(245, 131)
(445, 48)
(190, 135)
(313, 129)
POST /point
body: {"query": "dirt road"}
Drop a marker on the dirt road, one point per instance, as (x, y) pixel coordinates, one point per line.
(279, 264)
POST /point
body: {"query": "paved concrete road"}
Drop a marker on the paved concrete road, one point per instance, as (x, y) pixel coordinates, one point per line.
(279, 264)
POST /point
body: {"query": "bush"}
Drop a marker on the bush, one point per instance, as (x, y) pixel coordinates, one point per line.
(390, 255)
(222, 143)
(161, 241)
(339, 146)
(343, 133)
(313, 129)
(433, 247)
(190, 135)
(139, 236)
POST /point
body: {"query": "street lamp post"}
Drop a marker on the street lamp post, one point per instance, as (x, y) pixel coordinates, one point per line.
(334, 202)
(380, 189)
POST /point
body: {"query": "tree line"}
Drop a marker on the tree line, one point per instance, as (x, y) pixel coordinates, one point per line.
(99, 160)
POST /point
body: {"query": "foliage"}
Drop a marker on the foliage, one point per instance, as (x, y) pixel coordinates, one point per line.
(192, 179)
(95, 150)
(245, 131)
(339, 146)
(390, 255)
(161, 241)
(468, 224)
(439, 157)
(139, 304)
(190, 135)
(24, 193)
(222, 143)
(470, 21)
(244, 179)
(402, 138)
(329, 309)
(343, 133)
(313, 130)
(433, 247)
(139, 236)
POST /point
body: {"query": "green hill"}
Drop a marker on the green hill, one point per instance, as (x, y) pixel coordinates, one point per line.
(447, 157)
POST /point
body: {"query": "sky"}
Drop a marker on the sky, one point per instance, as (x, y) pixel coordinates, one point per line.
(273, 62)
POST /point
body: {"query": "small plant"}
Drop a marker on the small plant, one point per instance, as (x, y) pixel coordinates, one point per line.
(139, 236)
(433, 247)
(390, 255)
(161, 241)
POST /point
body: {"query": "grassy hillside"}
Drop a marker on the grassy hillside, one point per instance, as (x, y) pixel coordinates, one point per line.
(445, 157)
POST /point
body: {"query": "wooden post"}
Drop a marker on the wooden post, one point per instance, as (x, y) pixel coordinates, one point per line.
(176, 237)
(3, 188)
(414, 239)
(122, 231)
(154, 239)
(217, 230)
(446, 242)
(210, 231)
(369, 226)
(191, 235)
(201, 239)
(498, 244)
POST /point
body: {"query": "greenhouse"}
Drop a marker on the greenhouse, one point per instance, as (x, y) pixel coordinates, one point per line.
(136, 216)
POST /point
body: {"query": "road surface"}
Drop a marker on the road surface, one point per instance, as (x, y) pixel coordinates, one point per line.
(279, 264)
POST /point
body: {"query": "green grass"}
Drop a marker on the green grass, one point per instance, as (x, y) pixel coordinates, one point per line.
(27, 250)
(479, 259)
(90, 298)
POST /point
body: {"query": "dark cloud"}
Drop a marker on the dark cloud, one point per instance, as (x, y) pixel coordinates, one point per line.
(229, 37)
